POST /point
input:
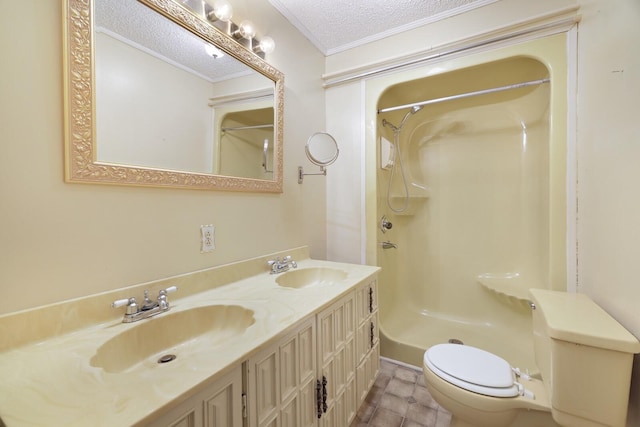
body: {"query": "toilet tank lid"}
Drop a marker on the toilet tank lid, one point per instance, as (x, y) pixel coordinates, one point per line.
(575, 318)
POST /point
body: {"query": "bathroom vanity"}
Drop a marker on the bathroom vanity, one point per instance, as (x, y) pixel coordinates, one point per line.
(239, 346)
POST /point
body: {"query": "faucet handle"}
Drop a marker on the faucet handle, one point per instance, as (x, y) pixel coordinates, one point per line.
(120, 303)
(168, 290)
(131, 303)
(162, 297)
(273, 261)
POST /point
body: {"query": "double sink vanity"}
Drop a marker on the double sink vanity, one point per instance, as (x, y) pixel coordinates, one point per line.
(245, 344)
(239, 346)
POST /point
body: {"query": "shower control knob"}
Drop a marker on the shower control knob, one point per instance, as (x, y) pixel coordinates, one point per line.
(384, 224)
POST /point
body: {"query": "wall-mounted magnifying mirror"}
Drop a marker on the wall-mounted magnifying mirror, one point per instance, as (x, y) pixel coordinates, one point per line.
(322, 150)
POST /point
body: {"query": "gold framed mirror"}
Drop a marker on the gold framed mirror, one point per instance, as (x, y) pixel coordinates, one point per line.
(106, 141)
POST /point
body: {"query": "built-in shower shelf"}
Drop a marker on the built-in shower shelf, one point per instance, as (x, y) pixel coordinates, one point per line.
(415, 202)
(507, 286)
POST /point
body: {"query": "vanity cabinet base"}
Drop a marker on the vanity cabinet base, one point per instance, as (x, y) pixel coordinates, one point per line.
(319, 373)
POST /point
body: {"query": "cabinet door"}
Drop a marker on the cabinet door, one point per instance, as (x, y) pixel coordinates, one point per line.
(351, 402)
(223, 402)
(307, 387)
(219, 405)
(367, 339)
(362, 304)
(281, 381)
(263, 375)
(362, 341)
(366, 300)
(366, 309)
(187, 419)
(336, 350)
(289, 369)
(308, 404)
(373, 292)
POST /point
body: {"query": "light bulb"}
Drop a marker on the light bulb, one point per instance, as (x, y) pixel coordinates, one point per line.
(266, 45)
(246, 30)
(221, 10)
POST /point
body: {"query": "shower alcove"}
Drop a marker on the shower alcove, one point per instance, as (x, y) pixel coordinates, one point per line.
(483, 176)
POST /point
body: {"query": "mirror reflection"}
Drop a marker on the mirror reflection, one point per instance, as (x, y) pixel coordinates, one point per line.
(143, 121)
(177, 103)
(246, 144)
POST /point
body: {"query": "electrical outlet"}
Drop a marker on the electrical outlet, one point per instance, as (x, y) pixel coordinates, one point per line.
(207, 237)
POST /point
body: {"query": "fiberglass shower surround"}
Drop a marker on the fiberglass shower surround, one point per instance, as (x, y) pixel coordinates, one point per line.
(414, 108)
(466, 183)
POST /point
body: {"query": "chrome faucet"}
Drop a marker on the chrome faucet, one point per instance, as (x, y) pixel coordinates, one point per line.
(150, 308)
(280, 266)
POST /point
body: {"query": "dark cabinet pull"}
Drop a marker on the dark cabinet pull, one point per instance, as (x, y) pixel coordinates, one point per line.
(372, 334)
(318, 399)
(324, 394)
(371, 300)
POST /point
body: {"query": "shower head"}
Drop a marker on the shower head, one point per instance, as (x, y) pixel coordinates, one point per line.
(411, 112)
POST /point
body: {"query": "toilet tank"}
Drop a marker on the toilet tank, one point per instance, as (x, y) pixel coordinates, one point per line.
(585, 359)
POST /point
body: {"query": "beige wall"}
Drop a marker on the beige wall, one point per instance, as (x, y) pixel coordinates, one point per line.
(61, 241)
(608, 163)
(607, 146)
(609, 157)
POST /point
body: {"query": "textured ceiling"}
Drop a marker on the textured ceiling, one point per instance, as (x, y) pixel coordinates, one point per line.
(336, 25)
(331, 25)
(140, 26)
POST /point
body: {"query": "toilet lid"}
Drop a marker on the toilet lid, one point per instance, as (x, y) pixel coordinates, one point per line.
(472, 369)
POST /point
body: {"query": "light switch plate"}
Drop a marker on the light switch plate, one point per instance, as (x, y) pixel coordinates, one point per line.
(207, 238)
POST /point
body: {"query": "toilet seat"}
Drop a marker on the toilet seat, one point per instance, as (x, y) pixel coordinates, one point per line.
(473, 369)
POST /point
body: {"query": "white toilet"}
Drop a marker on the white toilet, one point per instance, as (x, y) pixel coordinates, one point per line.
(584, 356)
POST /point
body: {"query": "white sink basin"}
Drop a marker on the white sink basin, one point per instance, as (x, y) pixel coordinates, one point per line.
(176, 333)
(310, 277)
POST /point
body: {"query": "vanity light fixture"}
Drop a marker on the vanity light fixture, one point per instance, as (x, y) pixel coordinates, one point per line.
(219, 13)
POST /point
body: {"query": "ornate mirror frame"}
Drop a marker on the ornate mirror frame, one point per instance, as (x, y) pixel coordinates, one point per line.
(79, 91)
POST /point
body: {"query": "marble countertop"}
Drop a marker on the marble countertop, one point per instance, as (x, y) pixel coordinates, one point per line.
(52, 382)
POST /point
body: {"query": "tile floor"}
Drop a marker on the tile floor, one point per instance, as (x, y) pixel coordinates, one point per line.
(399, 399)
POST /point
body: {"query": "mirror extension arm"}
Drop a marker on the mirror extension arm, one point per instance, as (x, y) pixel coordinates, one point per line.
(301, 174)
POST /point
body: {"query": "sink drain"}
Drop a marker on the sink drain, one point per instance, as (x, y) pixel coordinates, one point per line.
(455, 341)
(167, 358)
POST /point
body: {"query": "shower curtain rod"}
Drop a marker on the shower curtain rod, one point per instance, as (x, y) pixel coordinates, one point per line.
(247, 127)
(465, 95)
